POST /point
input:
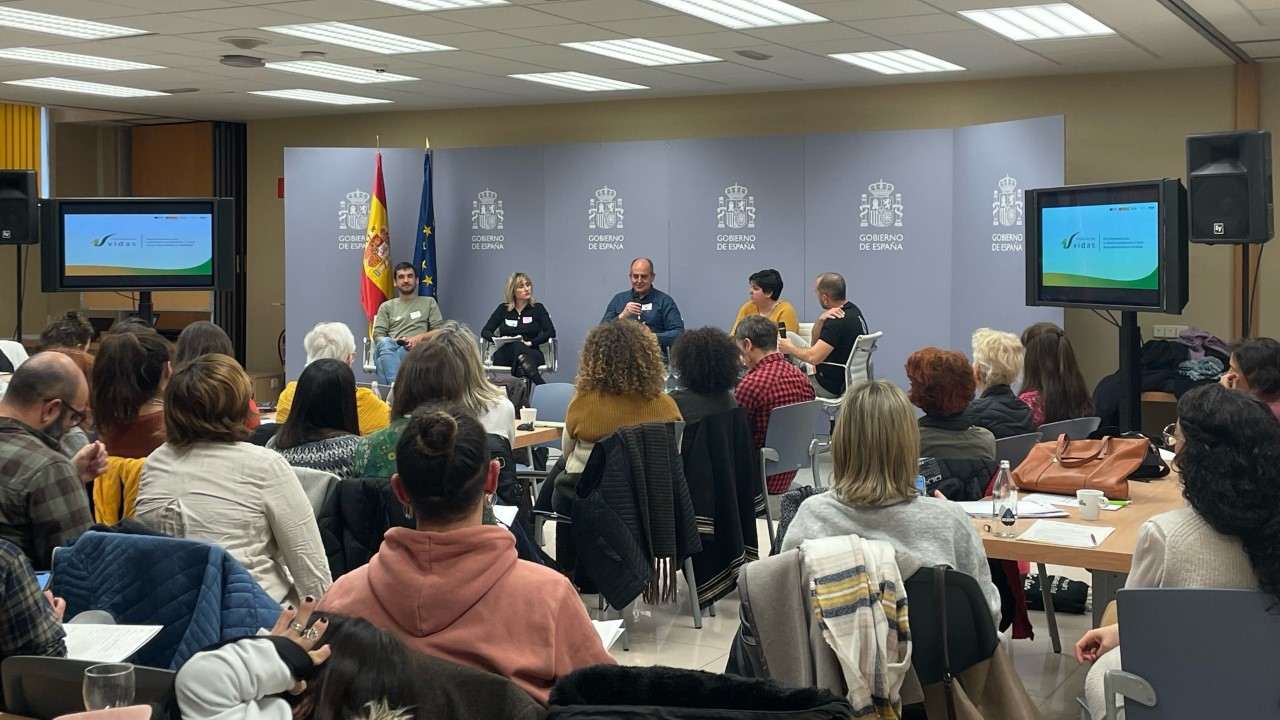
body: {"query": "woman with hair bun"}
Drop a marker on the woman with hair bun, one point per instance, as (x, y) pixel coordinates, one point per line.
(1227, 447)
(453, 587)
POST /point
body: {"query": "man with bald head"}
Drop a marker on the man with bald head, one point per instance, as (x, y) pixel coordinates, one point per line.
(834, 333)
(647, 304)
(43, 503)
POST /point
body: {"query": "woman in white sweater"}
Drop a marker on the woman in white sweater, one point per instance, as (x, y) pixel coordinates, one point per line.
(876, 449)
(205, 484)
(1228, 454)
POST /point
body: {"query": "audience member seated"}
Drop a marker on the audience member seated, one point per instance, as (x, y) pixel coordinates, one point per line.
(444, 369)
(30, 621)
(322, 433)
(1255, 369)
(402, 322)
(1228, 455)
(337, 667)
(205, 484)
(653, 308)
(454, 588)
(620, 381)
(765, 299)
(77, 436)
(876, 447)
(705, 362)
(203, 338)
(833, 335)
(521, 317)
(942, 385)
(1052, 385)
(43, 503)
(770, 382)
(130, 372)
(997, 360)
(334, 340)
(69, 331)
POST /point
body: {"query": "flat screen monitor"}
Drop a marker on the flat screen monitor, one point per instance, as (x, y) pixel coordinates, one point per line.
(134, 244)
(1119, 246)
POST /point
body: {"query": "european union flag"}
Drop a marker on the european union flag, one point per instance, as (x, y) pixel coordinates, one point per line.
(424, 249)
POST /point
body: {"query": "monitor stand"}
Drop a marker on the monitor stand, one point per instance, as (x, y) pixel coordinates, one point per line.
(1130, 372)
(146, 310)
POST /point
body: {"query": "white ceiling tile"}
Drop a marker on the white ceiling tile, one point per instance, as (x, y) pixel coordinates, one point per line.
(175, 5)
(893, 27)
(868, 9)
(800, 36)
(726, 72)
(1266, 49)
(82, 9)
(478, 63)
(247, 17)
(556, 34)
(866, 43)
(341, 10)
(709, 41)
(975, 50)
(174, 23)
(481, 40)
(601, 10)
(560, 58)
(419, 25)
(660, 26)
(502, 17)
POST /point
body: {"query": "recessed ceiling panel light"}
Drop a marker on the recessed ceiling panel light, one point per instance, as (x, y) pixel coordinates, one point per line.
(898, 62)
(53, 57)
(1039, 22)
(642, 52)
(334, 71)
(59, 25)
(429, 5)
(739, 14)
(361, 38)
(579, 81)
(81, 86)
(320, 97)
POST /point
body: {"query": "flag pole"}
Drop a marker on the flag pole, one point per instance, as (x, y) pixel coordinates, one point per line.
(426, 143)
(377, 141)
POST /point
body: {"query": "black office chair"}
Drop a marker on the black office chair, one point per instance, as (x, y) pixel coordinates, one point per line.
(46, 687)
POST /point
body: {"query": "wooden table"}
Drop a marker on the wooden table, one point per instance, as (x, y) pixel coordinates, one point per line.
(1109, 562)
(538, 435)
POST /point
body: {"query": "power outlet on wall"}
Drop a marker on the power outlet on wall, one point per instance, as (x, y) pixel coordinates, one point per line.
(1167, 331)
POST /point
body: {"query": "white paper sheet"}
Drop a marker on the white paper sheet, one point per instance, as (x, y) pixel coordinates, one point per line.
(1069, 534)
(1063, 500)
(609, 631)
(1026, 509)
(506, 514)
(107, 643)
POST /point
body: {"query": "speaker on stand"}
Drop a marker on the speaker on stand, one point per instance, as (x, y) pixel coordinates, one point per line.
(1229, 197)
(19, 224)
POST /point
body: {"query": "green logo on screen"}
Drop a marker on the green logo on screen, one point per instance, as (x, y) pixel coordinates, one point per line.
(1066, 244)
(99, 242)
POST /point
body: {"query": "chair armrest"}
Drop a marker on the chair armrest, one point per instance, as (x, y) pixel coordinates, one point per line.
(769, 454)
(554, 517)
(1130, 686)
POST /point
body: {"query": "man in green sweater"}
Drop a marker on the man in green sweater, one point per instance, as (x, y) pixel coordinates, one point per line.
(403, 322)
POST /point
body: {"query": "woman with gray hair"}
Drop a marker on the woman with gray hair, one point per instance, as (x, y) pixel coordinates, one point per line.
(997, 361)
(334, 341)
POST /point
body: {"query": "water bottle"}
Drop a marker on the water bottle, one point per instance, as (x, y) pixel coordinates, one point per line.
(1004, 503)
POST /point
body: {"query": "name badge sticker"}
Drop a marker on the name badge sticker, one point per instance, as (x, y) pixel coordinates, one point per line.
(415, 315)
(646, 307)
(527, 320)
(511, 323)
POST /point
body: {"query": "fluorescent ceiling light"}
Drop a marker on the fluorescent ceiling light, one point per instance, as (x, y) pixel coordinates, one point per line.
(429, 5)
(320, 97)
(898, 62)
(81, 86)
(59, 25)
(334, 71)
(1039, 22)
(579, 81)
(739, 14)
(642, 52)
(361, 38)
(53, 57)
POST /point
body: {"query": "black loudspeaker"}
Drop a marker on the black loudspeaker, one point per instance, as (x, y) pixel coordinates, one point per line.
(19, 221)
(1229, 187)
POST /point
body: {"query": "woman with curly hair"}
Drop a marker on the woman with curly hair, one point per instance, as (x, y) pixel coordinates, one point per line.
(620, 379)
(706, 363)
(941, 385)
(1228, 454)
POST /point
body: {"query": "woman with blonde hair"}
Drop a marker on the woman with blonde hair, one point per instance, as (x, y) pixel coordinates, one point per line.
(205, 483)
(997, 362)
(620, 383)
(876, 449)
(525, 324)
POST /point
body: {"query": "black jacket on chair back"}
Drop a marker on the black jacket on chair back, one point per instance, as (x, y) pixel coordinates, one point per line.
(999, 410)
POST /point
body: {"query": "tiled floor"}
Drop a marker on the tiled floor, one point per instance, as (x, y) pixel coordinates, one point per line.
(665, 636)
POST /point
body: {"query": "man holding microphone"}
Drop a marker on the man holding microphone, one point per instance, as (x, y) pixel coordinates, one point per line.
(647, 304)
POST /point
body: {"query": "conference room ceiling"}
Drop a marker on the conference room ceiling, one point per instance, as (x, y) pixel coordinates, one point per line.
(185, 37)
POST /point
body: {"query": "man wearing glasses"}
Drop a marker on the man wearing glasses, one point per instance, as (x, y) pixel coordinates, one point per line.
(43, 503)
(647, 304)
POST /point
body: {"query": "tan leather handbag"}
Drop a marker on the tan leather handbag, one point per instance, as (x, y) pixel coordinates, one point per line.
(1065, 466)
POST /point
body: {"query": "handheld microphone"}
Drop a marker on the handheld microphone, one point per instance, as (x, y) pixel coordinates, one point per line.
(635, 298)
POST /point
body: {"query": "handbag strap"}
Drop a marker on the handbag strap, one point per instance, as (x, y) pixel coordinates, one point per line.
(1104, 449)
(940, 593)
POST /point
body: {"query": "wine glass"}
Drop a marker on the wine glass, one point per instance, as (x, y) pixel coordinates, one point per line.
(107, 686)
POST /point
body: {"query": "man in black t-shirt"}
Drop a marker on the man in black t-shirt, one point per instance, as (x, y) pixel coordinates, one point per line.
(834, 333)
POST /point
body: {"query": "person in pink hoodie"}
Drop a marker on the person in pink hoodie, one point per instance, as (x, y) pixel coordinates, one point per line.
(453, 587)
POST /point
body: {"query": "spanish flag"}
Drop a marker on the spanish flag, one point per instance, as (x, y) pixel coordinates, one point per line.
(375, 284)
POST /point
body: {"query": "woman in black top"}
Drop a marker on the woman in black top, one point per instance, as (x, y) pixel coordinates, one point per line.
(520, 317)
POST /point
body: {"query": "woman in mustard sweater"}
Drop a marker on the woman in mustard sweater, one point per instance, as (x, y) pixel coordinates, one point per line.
(620, 382)
(766, 299)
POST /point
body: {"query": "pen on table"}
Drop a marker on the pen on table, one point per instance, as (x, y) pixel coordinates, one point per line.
(1093, 540)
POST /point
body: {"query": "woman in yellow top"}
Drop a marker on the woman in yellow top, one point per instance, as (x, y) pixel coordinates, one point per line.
(766, 289)
(334, 340)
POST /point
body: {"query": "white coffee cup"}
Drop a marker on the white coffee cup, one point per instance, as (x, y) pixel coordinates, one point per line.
(528, 415)
(1090, 503)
